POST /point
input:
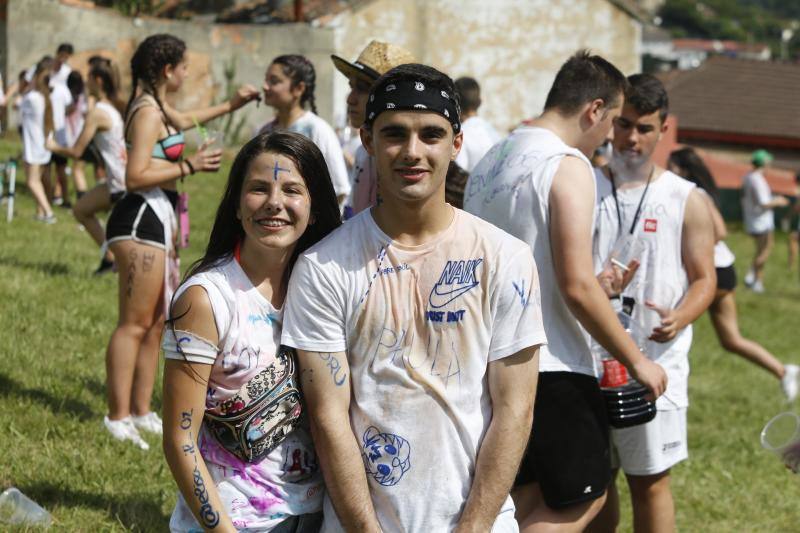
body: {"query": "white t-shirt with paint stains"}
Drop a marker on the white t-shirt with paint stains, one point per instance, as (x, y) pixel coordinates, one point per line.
(287, 482)
(419, 326)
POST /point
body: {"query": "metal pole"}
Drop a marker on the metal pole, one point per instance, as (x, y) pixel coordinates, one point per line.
(11, 172)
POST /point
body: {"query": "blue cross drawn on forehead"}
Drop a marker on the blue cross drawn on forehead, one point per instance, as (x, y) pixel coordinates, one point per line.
(278, 169)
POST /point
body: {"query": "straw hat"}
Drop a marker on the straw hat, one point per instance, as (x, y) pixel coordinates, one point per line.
(375, 60)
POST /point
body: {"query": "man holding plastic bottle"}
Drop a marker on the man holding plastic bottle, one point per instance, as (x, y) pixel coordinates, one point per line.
(675, 283)
(537, 184)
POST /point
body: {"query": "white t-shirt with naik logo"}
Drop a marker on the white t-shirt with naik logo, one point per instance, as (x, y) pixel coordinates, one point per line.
(420, 326)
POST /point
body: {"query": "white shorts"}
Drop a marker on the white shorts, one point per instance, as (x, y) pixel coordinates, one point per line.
(651, 448)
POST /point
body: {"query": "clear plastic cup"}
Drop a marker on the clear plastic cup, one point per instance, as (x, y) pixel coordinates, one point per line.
(18, 509)
(213, 138)
(627, 248)
(781, 436)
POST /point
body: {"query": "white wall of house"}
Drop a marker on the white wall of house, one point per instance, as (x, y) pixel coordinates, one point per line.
(512, 47)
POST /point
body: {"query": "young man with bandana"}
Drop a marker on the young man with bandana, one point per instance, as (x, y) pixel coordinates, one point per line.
(673, 286)
(374, 61)
(538, 185)
(417, 327)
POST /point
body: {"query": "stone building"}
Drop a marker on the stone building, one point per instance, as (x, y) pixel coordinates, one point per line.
(512, 47)
(33, 28)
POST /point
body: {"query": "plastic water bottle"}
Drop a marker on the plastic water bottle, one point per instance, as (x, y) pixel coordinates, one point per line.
(18, 509)
(626, 404)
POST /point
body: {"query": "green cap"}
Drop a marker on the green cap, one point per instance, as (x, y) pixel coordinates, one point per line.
(761, 158)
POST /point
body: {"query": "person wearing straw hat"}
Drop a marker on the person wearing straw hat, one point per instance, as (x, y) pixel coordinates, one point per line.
(759, 219)
(374, 61)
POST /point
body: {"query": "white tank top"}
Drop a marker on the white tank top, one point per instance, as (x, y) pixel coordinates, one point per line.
(661, 276)
(111, 145)
(510, 188)
(723, 256)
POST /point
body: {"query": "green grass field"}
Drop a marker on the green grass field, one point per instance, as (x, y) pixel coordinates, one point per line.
(56, 319)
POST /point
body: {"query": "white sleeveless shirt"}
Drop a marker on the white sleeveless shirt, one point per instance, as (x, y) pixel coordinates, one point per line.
(723, 256)
(661, 276)
(510, 188)
(111, 145)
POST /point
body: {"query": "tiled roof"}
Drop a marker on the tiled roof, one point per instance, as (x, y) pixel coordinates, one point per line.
(279, 11)
(727, 171)
(740, 97)
(715, 46)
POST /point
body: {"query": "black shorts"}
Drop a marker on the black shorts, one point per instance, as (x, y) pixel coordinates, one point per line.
(568, 452)
(726, 278)
(91, 155)
(132, 218)
(58, 159)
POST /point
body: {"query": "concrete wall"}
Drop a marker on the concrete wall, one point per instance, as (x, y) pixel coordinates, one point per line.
(3, 48)
(36, 27)
(512, 47)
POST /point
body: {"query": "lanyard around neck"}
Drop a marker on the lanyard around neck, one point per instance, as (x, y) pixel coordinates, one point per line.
(641, 200)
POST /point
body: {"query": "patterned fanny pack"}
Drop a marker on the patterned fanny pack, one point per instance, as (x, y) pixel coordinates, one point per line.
(262, 413)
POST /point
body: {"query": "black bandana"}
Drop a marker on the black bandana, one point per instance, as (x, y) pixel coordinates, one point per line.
(413, 96)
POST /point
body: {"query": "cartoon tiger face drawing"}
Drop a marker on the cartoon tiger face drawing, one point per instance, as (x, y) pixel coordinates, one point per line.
(387, 457)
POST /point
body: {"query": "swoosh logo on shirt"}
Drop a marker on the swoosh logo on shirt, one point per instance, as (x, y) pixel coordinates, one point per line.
(441, 296)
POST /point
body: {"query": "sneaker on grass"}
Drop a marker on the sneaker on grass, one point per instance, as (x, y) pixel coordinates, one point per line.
(125, 430)
(106, 266)
(149, 422)
(47, 219)
(789, 382)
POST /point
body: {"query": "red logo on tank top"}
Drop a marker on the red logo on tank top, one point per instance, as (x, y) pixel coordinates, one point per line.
(651, 225)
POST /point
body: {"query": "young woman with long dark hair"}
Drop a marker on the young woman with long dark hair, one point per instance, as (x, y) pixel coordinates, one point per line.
(686, 163)
(102, 126)
(235, 434)
(141, 228)
(289, 85)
